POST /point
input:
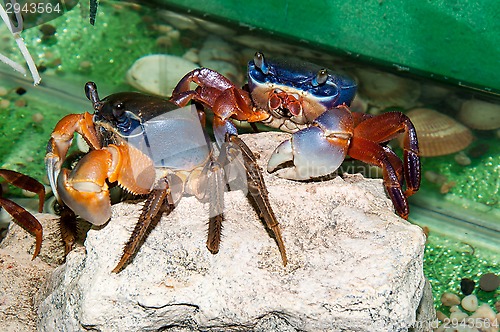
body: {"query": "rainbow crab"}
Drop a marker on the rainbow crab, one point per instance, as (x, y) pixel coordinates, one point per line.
(311, 103)
(148, 146)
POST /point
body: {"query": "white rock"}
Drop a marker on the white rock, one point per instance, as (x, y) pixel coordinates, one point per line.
(458, 316)
(470, 302)
(484, 311)
(21, 277)
(353, 265)
(158, 73)
(450, 299)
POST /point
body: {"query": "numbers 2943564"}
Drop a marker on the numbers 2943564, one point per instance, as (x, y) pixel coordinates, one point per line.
(32, 8)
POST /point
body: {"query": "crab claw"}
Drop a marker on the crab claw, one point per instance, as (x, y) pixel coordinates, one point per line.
(92, 204)
(84, 189)
(314, 151)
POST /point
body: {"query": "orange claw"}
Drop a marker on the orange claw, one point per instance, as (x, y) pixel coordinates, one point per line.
(25, 219)
(85, 190)
(61, 139)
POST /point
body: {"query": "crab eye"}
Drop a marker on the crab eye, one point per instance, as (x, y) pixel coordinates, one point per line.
(320, 78)
(119, 112)
(260, 62)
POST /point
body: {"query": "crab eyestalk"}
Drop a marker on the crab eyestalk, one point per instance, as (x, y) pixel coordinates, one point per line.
(92, 95)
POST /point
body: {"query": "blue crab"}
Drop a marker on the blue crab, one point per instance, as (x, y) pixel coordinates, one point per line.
(311, 103)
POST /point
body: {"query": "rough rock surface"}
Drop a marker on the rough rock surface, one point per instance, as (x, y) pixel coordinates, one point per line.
(21, 277)
(353, 265)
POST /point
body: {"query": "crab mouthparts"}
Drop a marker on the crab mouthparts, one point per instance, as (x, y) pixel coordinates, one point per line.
(284, 104)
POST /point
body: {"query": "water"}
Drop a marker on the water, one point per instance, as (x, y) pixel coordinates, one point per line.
(458, 201)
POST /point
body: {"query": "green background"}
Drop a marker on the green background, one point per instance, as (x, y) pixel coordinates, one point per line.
(456, 41)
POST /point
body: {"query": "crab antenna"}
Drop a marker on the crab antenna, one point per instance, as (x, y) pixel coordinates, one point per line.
(91, 93)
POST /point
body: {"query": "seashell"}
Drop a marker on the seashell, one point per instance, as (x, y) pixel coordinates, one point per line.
(385, 90)
(481, 115)
(438, 134)
(181, 22)
(158, 73)
(219, 55)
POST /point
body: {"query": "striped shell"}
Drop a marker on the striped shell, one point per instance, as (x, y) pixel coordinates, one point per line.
(438, 134)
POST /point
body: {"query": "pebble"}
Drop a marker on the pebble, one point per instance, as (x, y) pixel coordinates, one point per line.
(3, 91)
(449, 299)
(48, 30)
(158, 73)
(458, 316)
(489, 282)
(484, 311)
(434, 177)
(467, 286)
(462, 159)
(440, 316)
(470, 303)
(497, 306)
(27, 193)
(20, 103)
(4, 103)
(37, 117)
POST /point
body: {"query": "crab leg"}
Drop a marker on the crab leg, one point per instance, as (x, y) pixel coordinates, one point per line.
(25, 182)
(159, 202)
(258, 193)
(215, 189)
(372, 153)
(222, 96)
(387, 126)
(25, 219)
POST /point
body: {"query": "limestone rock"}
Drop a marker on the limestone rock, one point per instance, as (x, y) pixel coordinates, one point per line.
(353, 265)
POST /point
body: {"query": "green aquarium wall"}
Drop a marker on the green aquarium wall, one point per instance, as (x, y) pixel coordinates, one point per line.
(451, 41)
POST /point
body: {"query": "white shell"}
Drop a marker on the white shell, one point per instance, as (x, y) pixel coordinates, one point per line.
(158, 73)
(385, 90)
(481, 115)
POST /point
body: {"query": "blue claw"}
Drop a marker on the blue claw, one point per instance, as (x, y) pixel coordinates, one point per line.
(314, 151)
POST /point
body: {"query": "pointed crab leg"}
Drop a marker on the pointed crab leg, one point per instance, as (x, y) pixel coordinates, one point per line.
(374, 154)
(25, 182)
(215, 187)
(386, 126)
(258, 193)
(25, 219)
(159, 202)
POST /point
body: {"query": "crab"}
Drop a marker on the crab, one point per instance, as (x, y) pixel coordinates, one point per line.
(19, 214)
(148, 146)
(312, 103)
